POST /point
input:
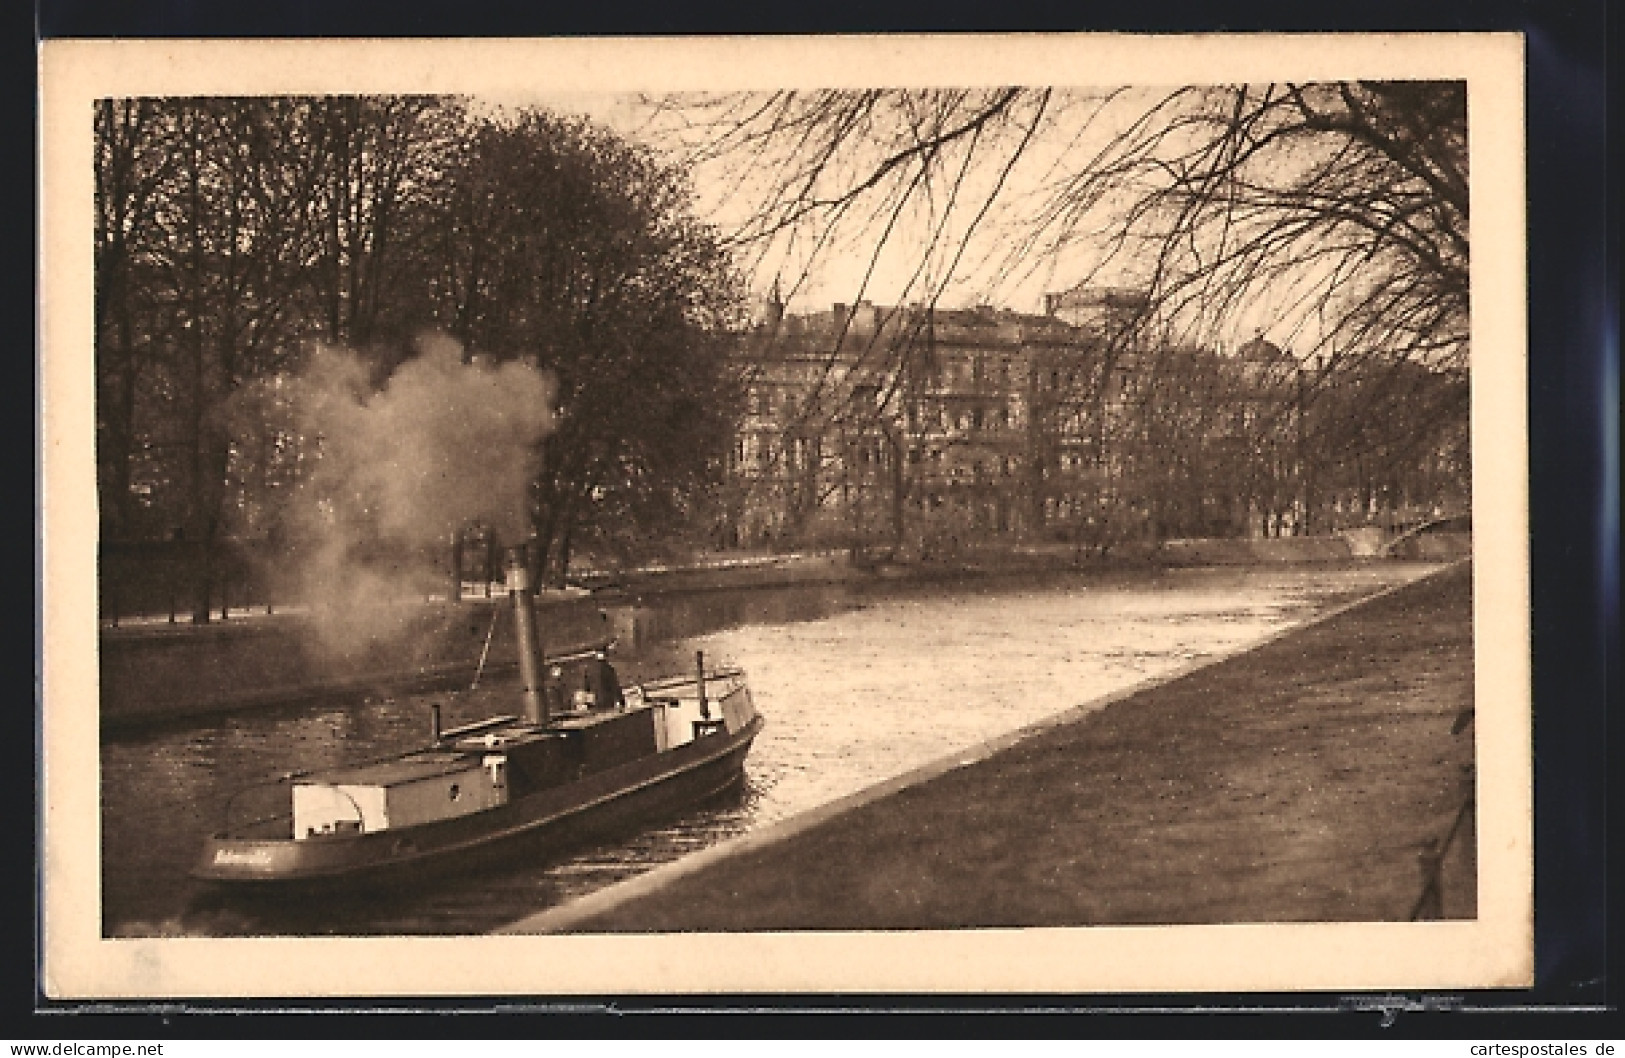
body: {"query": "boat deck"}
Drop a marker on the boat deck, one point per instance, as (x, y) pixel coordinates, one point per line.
(425, 764)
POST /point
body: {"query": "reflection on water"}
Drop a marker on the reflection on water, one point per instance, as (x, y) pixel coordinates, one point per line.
(857, 683)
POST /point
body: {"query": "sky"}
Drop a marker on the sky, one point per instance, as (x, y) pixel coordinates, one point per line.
(856, 265)
(839, 272)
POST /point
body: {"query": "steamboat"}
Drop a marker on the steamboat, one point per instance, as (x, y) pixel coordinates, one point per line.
(585, 755)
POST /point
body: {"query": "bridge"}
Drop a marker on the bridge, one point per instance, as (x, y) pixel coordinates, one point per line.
(1453, 524)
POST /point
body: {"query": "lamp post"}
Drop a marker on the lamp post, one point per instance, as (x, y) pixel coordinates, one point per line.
(1306, 475)
(1303, 472)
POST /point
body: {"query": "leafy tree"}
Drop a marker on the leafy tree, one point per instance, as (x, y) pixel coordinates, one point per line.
(372, 161)
(130, 167)
(559, 241)
(215, 259)
(199, 296)
(232, 233)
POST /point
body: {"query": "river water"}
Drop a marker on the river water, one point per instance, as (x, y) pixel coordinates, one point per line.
(858, 683)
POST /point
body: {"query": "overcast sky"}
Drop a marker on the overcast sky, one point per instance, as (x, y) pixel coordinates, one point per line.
(857, 263)
(839, 272)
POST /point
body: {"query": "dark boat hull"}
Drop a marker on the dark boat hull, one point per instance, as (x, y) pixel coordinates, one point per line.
(609, 801)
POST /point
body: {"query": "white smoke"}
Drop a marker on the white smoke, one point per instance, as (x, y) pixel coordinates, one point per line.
(443, 443)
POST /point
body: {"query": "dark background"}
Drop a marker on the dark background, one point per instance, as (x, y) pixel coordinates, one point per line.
(1573, 328)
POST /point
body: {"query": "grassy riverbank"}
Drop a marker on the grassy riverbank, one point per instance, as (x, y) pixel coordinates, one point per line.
(1308, 780)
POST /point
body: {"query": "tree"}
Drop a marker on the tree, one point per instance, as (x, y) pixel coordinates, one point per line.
(1337, 212)
(130, 167)
(234, 233)
(375, 162)
(215, 260)
(561, 242)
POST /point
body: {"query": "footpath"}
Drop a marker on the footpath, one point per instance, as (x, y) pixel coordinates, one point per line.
(1319, 777)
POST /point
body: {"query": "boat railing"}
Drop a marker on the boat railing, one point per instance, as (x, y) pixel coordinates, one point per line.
(477, 726)
(238, 820)
(590, 654)
(670, 682)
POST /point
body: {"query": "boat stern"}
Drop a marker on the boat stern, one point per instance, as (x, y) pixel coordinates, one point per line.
(229, 859)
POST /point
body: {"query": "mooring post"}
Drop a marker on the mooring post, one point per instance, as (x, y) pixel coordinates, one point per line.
(699, 681)
(490, 560)
(456, 593)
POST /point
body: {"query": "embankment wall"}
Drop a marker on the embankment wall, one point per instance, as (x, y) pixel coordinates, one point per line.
(1426, 547)
(167, 672)
(1290, 549)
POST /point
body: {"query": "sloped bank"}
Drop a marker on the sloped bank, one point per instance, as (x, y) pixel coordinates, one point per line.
(1314, 778)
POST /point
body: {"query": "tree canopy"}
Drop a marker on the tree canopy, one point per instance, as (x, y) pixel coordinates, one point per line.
(235, 236)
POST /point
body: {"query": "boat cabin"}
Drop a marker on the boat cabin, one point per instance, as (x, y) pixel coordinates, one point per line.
(487, 764)
(419, 788)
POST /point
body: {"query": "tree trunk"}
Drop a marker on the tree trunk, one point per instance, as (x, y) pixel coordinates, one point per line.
(561, 568)
(200, 528)
(118, 436)
(899, 491)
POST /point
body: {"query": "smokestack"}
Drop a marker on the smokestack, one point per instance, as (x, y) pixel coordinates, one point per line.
(530, 651)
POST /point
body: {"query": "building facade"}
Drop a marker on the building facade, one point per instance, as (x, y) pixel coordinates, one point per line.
(927, 432)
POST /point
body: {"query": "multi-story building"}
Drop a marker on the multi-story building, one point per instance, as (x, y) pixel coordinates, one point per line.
(914, 427)
(931, 430)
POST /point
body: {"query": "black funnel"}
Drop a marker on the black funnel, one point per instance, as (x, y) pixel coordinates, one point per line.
(530, 650)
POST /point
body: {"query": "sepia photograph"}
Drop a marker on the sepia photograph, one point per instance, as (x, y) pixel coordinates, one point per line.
(923, 514)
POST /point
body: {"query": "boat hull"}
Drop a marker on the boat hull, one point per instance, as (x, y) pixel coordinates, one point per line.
(606, 802)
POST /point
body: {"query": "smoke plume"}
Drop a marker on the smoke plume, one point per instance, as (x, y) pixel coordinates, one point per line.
(444, 442)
